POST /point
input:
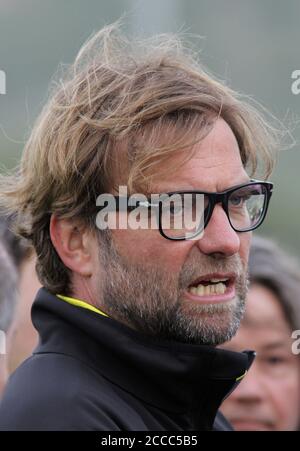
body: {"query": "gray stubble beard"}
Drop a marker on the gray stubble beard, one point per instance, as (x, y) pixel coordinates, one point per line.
(151, 300)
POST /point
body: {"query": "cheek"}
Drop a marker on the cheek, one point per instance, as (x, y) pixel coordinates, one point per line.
(286, 401)
(149, 247)
(245, 243)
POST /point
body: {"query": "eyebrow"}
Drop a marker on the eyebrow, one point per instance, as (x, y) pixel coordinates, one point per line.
(275, 345)
(254, 323)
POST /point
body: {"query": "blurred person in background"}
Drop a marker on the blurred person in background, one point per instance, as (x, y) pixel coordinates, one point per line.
(268, 399)
(8, 298)
(22, 336)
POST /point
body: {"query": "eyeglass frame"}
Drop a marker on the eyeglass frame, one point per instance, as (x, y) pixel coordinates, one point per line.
(213, 199)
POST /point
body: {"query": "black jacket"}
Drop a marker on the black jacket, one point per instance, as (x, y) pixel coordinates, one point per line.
(90, 372)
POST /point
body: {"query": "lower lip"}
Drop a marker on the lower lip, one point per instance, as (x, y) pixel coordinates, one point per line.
(214, 298)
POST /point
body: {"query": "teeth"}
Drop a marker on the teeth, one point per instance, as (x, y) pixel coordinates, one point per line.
(201, 290)
(221, 288)
(218, 280)
(207, 290)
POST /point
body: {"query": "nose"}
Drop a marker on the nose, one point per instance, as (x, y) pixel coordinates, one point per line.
(218, 236)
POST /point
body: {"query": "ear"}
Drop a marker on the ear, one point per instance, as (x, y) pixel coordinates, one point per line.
(74, 244)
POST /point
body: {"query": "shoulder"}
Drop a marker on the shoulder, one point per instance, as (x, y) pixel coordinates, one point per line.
(58, 392)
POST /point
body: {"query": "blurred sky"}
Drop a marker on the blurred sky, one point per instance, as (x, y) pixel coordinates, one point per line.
(253, 44)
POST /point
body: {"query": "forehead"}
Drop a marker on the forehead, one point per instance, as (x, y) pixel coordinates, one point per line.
(215, 165)
(264, 323)
(264, 309)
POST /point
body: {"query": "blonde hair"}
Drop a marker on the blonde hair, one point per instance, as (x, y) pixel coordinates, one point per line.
(122, 108)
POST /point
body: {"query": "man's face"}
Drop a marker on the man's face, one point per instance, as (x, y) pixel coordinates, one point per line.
(146, 279)
(269, 396)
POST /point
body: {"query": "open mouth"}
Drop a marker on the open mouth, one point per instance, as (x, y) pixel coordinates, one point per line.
(213, 285)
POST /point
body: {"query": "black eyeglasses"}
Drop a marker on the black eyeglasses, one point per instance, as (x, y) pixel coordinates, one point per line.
(183, 215)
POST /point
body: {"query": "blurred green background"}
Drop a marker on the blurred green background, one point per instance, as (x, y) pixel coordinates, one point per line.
(254, 44)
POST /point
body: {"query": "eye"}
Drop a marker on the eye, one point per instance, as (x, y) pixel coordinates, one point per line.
(274, 360)
(174, 205)
(176, 208)
(238, 200)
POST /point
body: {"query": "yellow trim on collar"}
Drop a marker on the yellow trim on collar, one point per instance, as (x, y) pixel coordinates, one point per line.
(82, 304)
(242, 376)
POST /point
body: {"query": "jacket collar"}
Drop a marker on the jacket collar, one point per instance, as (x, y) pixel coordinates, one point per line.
(172, 376)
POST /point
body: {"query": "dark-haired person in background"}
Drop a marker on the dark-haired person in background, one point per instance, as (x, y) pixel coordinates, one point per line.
(129, 318)
(269, 396)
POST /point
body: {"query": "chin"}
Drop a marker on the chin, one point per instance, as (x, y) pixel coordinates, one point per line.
(210, 328)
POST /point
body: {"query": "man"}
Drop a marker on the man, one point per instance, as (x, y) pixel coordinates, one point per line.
(129, 317)
(8, 296)
(269, 397)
